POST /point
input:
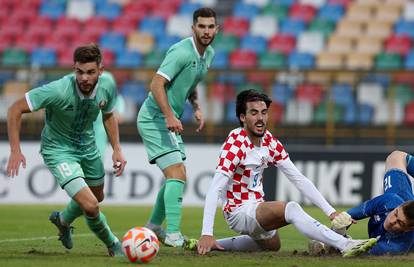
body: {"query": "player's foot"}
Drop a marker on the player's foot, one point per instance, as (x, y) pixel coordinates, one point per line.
(158, 231)
(190, 244)
(358, 247)
(116, 249)
(174, 239)
(65, 232)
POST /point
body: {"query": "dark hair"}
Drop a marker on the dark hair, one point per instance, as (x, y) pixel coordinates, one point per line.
(250, 95)
(204, 12)
(408, 209)
(87, 53)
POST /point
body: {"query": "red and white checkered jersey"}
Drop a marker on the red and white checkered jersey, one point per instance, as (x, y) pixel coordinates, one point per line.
(244, 163)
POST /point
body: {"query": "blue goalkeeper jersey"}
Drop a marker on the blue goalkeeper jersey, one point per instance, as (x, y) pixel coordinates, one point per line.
(397, 191)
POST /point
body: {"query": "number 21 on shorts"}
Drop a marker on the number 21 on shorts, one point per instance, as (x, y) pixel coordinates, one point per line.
(64, 169)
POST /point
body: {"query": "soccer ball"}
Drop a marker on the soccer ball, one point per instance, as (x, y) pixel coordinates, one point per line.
(140, 244)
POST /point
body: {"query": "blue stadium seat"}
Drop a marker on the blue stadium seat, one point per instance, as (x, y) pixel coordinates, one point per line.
(350, 114)
(257, 44)
(231, 112)
(383, 79)
(153, 25)
(108, 10)
(221, 60)
(188, 113)
(281, 93)
(291, 26)
(331, 12)
(365, 114)
(188, 8)
(284, 2)
(246, 11)
(235, 78)
(113, 41)
(6, 76)
(409, 60)
(43, 57)
(298, 60)
(342, 94)
(128, 59)
(404, 27)
(165, 41)
(52, 9)
(134, 90)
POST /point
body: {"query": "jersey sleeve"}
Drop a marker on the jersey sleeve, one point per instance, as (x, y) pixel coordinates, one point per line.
(278, 152)
(172, 64)
(230, 156)
(45, 95)
(377, 205)
(112, 98)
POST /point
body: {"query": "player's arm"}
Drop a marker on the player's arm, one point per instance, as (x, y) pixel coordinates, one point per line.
(198, 115)
(305, 186)
(207, 241)
(111, 127)
(14, 118)
(157, 88)
(379, 204)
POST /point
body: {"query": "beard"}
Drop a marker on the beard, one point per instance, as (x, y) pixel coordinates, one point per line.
(201, 41)
(86, 88)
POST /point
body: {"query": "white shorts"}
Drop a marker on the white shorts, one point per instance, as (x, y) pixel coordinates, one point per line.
(243, 221)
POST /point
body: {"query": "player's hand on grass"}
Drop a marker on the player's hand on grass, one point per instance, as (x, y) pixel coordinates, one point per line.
(206, 244)
(173, 124)
(342, 221)
(198, 115)
(119, 163)
(16, 158)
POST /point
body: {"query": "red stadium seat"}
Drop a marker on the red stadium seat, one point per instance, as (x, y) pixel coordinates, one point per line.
(409, 114)
(138, 6)
(108, 57)
(400, 44)
(164, 9)
(85, 38)
(96, 26)
(124, 25)
(276, 112)
(65, 59)
(260, 77)
(302, 12)
(41, 27)
(243, 59)
(6, 41)
(344, 3)
(26, 4)
(310, 92)
(222, 92)
(284, 43)
(67, 27)
(56, 42)
(404, 78)
(25, 16)
(27, 42)
(236, 26)
(12, 28)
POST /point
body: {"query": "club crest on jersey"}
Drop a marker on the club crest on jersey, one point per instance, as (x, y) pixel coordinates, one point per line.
(102, 104)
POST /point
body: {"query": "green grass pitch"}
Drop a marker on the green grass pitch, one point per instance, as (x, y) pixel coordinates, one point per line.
(27, 238)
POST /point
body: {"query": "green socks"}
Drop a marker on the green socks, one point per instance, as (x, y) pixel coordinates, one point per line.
(158, 212)
(71, 212)
(101, 229)
(173, 198)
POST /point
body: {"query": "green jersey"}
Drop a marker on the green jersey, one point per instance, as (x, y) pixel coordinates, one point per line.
(184, 68)
(70, 114)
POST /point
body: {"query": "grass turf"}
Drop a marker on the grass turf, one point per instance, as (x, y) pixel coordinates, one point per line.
(27, 238)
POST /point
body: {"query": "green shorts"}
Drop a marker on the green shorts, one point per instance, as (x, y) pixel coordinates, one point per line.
(158, 140)
(66, 167)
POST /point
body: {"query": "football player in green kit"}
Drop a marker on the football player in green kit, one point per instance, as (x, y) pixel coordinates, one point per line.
(68, 146)
(159, 125)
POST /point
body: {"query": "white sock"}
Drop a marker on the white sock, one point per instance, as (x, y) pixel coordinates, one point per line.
(239, 243)
(311, 228)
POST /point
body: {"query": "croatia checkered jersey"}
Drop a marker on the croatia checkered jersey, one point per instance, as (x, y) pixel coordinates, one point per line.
(244, 164)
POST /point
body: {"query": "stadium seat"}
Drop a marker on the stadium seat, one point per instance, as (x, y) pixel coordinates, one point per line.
(272, 60)
(365, 114)
(180, 25)
(43, 57)
(188, 8)
(154, 59)
(52, 9)
(164, 42)
(388, 61)
(153, 25)
(302, 12)
(284, 43)
(358, 61)
(135, 90)
(260, 77)
(108, 57)
(344, 3)
(124, 25)
(222, 92)
(281, 93)
(278, 11)
(324, 113)
(330, 60)
(221, 60)
(404, 27)
(14, 57)
(322, 26)
(246, 11)
(340, 44)
(254, 43)
(400, 44)
(27, 42)
(67, 28)
(128, 59)
(387, 12)
(6, 41)
(235, 26)
(276, 113)
(264, 26)
(5, 76)
(12, 29)
(342, 94)
(350, 28)
(15, 88)
(332, 13)
(230, 113)
(298, 112)
(349, 114)
(142, 42)
(408, 11)
(312, 93)
(380, 29)
(301, 61)
(81, 10)
(113, 41)
(310, 42)
(401, 93)
(409, 114)
(187, 115)
(243, 59)
(409, 61)
(359, 12)
(226, 42)
(368, 45)
(108, 10)
(96, 26)
(291, 26)
(386, 111)
(165, 9)
(235, 78)
(369, 93)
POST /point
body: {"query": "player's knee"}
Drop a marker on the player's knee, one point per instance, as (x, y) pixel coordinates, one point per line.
(91, 208)
(291, 210)
(396, 155)
(100, 197)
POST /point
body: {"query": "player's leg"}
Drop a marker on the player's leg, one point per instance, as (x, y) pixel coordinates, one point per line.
(396, 180)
